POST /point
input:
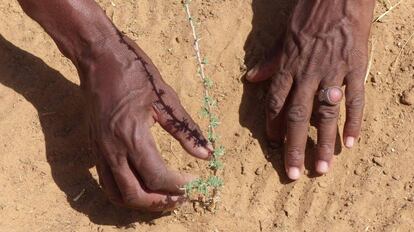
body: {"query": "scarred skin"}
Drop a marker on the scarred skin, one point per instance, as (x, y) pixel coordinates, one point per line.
(326, 45)
(126, 96)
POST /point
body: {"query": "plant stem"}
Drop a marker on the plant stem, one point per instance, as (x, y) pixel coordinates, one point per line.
(206, 187)
(199, 60)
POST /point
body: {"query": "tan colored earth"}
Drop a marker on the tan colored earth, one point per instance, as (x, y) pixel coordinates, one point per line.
(45, 160)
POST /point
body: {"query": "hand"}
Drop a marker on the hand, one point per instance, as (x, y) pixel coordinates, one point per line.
(326, 46)
(126, 96)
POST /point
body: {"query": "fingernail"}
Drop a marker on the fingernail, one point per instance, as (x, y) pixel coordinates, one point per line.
(349, 142)
(293, 173)
(204, 152)
(168, 204)
(176, 201)
(252, 73)
(322, 167)
(210, 147)
(189, 177)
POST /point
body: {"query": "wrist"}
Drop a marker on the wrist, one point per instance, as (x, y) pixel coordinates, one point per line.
(77, 26)
(86, 40)
(324, 17)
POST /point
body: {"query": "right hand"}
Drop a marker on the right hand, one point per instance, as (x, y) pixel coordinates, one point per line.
(326, 47)
(126, 96)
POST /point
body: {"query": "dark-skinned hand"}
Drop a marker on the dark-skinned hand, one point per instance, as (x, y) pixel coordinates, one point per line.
(326, 46)
(126, 96)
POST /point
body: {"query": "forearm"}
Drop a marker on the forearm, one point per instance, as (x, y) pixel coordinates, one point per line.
(75, 25)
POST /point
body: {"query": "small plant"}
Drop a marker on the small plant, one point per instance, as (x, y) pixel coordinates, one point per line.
(206, 191)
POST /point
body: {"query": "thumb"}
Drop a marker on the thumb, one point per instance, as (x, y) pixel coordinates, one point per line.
(262, 71)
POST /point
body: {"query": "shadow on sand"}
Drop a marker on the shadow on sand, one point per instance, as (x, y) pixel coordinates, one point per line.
(60, 106)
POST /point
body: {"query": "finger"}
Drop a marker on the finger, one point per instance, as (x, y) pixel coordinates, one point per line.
(298, 115)
(355, 100)
(327, 121)
(155, 175)
(107, 182)
(278, 92)
(134, 195)
(106, 179)
(262, 71)
(174, 118)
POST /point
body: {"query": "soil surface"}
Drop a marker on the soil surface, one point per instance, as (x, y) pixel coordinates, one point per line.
(45, 160)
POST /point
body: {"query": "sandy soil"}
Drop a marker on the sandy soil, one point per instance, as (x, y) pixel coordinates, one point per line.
(45, 160)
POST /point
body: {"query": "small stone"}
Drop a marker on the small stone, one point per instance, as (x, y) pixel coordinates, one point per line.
(359, 171)
(378, 161)
(177, 40)
(259, 171)
(395, 177)
(377, 155)
(407, 97)
(243, 68)
(322, 184)
(289, 210)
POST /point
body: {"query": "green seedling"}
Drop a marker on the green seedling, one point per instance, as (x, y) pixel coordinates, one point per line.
(206, 190)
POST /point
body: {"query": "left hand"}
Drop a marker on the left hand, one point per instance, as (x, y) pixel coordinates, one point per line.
(326, 46)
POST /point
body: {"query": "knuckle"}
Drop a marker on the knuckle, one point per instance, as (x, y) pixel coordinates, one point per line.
(353, 122)
(356, 102)
(169, 92)
(274, 105)
(116, 161)
(281, 81)
(297, 113)
(328, 113)
(132, 199)
(155, 181)
(294, 156)
(325, 150)
(359, 54)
